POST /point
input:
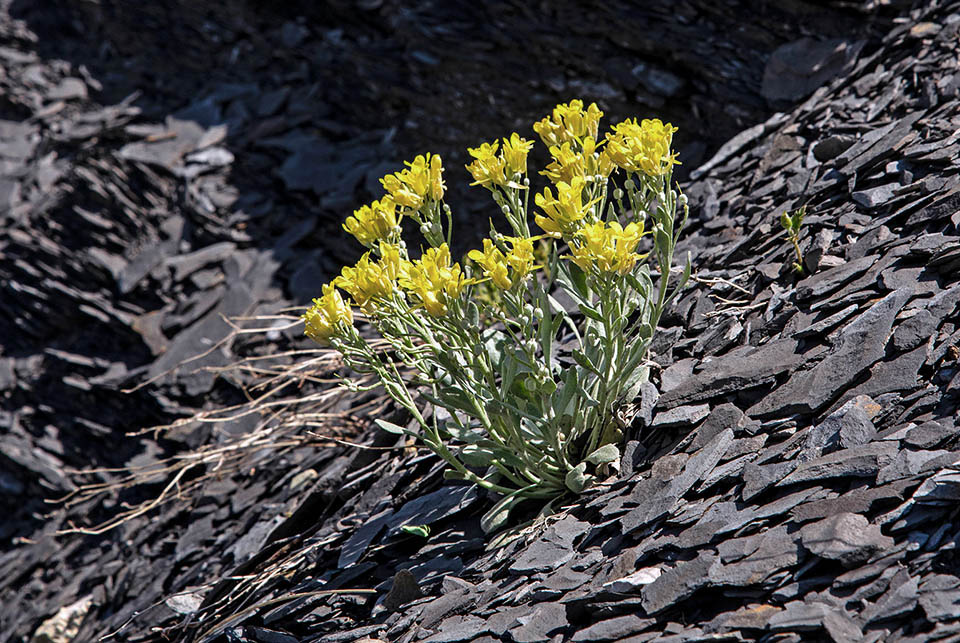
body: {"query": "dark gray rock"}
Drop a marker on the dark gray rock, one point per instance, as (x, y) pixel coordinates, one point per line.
(901, 598)
(875, 197)
(680, 416)
(859, 345)
(678, 583)
(862, 461)
(724, 416)
(857, 501)
(796, 69)
(614, 628)
(846, 537)
(551, 550)
(914, 331)
(824, 283)
(929, 435)
(841, 627)
(727, 374)
(797, 615)
(848, 426)
(459, 628)
(776, 551)
(758, 478)
(540, 624)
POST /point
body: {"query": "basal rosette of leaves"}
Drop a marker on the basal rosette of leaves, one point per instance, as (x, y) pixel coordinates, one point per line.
(518, 421)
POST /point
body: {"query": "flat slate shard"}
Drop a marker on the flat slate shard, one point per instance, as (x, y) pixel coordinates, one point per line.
(797, 615)
(540, 624)
(614, 628)
(824, 283)
(859, 345)
(678, 583)
(845, 537)
(762, 557)
(861, 461)
(727, 374)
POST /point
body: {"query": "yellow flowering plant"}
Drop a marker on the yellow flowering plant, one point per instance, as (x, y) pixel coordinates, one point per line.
(513, 410)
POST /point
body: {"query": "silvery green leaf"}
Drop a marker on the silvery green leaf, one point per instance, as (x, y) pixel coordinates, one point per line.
(606, 453)
(591, 312)
(473, 456)
(473, 315)
(416, 530)
(581, 358)
(390, 427)
(578, 479)
(453, 474)
(498, 514)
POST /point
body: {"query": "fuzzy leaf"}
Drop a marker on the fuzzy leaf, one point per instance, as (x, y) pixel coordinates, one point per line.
(606, 453)
(498, 514)
(390, 427)
(578, 479)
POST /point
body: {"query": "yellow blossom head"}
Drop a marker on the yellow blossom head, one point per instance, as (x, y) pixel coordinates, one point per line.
(368, 281)
(374, 222)
(608, 247)
(565, 212)
(505, 270)
(643, 147)
(569, 123)
(420, 181)
(327, 316)
(488, 168)
(400, 192)
(515, 151)
(434, 280)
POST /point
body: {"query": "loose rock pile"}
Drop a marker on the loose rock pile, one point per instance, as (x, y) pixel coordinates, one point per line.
(792, 472)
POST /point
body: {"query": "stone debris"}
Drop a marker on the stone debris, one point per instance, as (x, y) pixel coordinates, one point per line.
(792, 472)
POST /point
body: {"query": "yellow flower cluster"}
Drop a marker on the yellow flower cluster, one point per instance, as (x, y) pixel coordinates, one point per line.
(374, 222)
(489, 168)
(563, 213)
(434, 280)
(568, 162)
(643, 147)
(372, 281)
(608, 247)
(569, 123)
(419, 181)
(327, 315)
(505, 270)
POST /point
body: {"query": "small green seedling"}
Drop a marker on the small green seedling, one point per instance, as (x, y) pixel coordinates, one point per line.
(792, 226)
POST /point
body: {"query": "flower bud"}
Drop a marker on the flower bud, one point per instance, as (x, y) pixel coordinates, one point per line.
(526, 182)
(682, 200)
(424, 229)
(629, 184)
(618, 194)
(505, 209)
(537, 314)
(528, 310)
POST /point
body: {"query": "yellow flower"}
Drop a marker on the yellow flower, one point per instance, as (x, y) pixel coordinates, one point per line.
(368, 281)
(569, 162)
(569, 123)
(327, 315)
(434, 280)
(487, 168)
(505, 270)
(420, 180)
(400, 191)
(514, 153)
(643, 147)
(608, 247)
(373, 222)
(564, 212)
(520, 257)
